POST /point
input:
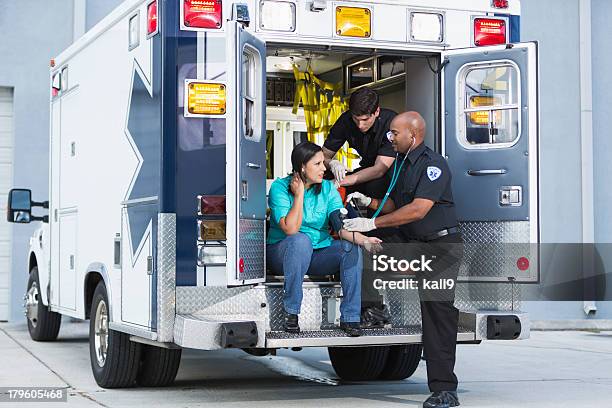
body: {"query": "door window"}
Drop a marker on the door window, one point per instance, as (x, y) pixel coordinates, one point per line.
(490, 107)
(251, 72)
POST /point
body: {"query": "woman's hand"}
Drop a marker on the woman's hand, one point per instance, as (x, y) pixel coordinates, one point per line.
(297, 185)
(372, 244)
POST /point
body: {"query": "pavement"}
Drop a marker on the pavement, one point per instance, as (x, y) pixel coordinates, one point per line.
(551, 369)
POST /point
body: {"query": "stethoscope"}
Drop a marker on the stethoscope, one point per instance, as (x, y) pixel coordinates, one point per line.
(396, 174)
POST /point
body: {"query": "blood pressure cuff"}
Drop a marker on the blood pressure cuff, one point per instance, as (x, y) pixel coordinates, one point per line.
(336, 221)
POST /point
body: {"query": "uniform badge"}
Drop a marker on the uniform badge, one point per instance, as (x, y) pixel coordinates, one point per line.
(433, 173)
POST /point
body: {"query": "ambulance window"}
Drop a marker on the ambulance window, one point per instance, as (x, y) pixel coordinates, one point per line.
(491, 114)
(250, 75)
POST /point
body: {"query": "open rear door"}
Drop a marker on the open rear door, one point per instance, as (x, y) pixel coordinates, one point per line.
(246, 157)
(490, 139)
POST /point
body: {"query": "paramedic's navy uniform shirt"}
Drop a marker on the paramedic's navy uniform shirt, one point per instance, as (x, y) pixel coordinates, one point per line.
(425, 175)
(370, 144)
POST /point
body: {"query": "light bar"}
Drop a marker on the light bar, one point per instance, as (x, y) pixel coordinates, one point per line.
(203, 13)
(499, 4)
(212, 255)
(206, 98)
(353, 22)
(489, 31)
(426, 27)
(211, 230)
(277, 16)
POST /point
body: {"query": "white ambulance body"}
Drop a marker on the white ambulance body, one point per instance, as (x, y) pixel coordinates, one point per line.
(170, 118)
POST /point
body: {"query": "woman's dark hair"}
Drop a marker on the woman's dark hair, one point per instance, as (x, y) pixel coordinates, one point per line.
(363, 101)
(301, 154)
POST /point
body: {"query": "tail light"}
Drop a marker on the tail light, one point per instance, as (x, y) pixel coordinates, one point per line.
(202, 13)
(211, 230)
(522, 264)
(209, 255)
(211, 205)
(489, 31)
(152, 23)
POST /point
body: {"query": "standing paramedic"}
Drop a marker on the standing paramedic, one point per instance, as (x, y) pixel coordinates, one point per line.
(364, 126)
(420, 203)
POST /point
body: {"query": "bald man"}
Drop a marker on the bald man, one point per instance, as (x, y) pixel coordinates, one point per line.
(420, 205)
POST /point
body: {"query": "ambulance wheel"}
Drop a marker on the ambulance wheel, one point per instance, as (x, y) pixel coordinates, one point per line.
(358, 363)
(114, 358)
(158, 366)
(43, 324)
(402, 362)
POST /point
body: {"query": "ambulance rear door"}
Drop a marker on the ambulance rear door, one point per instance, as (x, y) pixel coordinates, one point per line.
(246, 156)
(490, 139)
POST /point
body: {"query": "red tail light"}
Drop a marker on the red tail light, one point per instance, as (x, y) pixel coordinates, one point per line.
(489, 31)
(522, 263)
(202, 13)
(152, 18)
(241, 265)
(211, 205)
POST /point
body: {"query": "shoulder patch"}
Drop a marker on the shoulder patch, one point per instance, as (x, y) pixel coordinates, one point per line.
(433, 173)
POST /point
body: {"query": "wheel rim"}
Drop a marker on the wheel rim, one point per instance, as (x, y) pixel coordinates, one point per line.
(31, 304)
(101, 332)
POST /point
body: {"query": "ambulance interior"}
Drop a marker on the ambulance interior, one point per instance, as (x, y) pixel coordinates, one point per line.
(403, 82)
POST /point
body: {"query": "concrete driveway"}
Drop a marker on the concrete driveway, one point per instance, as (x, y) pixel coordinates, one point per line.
(552, 369)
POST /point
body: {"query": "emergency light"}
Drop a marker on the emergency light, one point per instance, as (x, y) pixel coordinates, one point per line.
(152, 18)
(202, 13)
(206, 98)
(277, 15)
(489, 31)
(209, 230)
(499, 4)
(211, 205)
(481, 118)
(426, 27)
(353, 21)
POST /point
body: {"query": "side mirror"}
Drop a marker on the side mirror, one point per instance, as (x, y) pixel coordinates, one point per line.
(19, 208)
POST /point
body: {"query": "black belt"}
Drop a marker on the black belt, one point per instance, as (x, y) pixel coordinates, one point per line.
(436, 235)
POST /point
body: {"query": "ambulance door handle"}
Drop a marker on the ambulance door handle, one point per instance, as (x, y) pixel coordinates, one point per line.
(244, 194)
(486, 172)
(253, 166)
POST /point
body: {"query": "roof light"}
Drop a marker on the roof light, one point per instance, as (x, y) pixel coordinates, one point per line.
(205, 98)
(353, 22)
(489, 31)
(277, 16)
(202, 13)
(499, 4)
(426, 27)
(152, 21)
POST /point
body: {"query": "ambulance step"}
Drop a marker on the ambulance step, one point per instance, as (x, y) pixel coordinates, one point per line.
(337, 337)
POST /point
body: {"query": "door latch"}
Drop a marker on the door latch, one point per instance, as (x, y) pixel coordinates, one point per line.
(244, 194)
(511, 196)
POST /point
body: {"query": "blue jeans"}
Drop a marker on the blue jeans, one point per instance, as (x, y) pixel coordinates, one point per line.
(294, 257)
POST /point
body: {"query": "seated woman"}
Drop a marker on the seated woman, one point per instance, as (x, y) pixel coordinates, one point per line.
(299, 242)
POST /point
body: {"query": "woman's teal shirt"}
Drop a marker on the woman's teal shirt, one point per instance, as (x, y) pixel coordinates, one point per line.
(317, 208)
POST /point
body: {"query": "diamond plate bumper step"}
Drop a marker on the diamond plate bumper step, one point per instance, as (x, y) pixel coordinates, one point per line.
(369, 337)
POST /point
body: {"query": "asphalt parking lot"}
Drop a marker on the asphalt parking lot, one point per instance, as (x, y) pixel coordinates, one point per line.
(551, 369)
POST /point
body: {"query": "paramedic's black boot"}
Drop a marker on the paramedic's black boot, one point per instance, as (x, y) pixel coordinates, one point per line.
(291, 323)
(375, 317)
(442, 399)
(351, 328)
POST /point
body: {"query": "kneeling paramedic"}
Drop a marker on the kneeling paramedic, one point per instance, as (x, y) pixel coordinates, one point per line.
(302, 206)
(364, 126)
(419, 202)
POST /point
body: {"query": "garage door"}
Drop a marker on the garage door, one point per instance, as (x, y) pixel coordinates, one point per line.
(6, 182)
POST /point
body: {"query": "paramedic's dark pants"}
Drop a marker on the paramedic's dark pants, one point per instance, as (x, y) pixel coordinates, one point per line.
(438, 313)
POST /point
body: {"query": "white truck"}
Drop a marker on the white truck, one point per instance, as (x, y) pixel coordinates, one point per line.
(170, 117)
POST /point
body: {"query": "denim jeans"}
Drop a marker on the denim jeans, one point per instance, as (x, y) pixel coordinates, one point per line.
(294, 257)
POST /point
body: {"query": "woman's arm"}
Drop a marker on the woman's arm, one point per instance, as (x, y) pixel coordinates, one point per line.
(292, 222)
(358, 238)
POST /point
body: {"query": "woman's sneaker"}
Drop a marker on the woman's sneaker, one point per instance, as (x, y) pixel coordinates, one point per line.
(291, 323)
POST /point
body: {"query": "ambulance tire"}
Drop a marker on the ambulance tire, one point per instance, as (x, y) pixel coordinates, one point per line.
(358, 363)
(43, 324)
(402, 362)
(119, 367)
(158, 366)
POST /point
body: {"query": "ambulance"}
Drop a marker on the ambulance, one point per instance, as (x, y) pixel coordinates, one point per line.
(170, 118)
